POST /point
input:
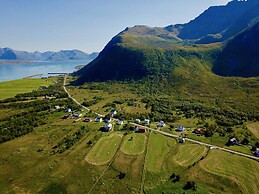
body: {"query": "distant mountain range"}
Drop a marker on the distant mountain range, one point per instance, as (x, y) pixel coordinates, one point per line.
(223, 40)
(63, 55)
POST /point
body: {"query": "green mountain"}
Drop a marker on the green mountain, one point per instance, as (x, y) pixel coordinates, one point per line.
(173, 52)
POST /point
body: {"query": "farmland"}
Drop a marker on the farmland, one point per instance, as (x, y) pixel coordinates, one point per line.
(134, 144)
(11, 88)
(104, 150)
(78, 158)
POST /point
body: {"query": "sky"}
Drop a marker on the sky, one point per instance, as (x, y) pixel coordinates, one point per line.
(87, 25)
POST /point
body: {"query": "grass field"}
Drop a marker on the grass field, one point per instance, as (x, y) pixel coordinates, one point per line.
(254, 128)
(188, 154)
(11, 88)
(104, 150)
(134, 144)
(158, 148)
(242, 171)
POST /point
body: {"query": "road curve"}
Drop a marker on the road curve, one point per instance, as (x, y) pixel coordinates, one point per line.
(165, 133)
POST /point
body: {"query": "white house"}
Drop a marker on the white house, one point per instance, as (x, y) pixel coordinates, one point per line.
(57, 107)
(146, 122)
(77, 114)
(68, 110)
(107, 127)
(119, 122)
(98, 120)
(113, 112)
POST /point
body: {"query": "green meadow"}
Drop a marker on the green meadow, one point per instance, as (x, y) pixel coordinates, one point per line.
(11, 88)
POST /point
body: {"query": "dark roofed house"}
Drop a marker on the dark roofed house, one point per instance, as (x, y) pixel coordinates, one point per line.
(107, 127)
(113, 112)
(180, 128)
(257, 152)
(141, 130)
(88, 120)
(199, 131)
(107, 119)
(182, 140)
(231, 142)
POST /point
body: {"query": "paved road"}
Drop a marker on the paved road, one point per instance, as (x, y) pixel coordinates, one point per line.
(64, 86)
(199, 142)
(168, 134)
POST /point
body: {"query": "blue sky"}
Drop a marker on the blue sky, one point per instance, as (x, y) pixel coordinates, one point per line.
(86, 24)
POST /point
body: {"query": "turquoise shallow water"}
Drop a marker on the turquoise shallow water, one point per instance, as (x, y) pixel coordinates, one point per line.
(18, 71)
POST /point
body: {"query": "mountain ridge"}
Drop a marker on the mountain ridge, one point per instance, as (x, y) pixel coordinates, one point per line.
(62, 55)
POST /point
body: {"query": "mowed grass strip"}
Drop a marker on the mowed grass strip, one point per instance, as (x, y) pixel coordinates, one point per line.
(254, 128)
(134, 144)
(158, 147)
(189, 154)
(239, 169)
(104, 150)
(9, 89)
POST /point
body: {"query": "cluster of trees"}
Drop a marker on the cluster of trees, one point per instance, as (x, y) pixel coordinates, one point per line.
(68, 141)
(35, 113)
(93, 101)
(21, 125)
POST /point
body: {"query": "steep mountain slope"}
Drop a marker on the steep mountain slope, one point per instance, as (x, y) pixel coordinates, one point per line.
(219, 23)
(240, 56)
(10, 54)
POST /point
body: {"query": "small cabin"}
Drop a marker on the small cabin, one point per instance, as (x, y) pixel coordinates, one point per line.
(68, 110)
(108, 119)
(107, 127)
(88, 120)
(141, 130)
(98, 120)
(57, 107)
(182, 140)
(161, 124)
(113, 112)
(119, 122)
(233, 141)
(77, 114)
(146, 122)
(257, 152)
(66, 116)
(180, 128)
(199, 131)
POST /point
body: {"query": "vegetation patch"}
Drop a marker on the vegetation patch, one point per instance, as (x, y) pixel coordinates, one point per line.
(9, 89)
(104, 150)
(134, 144)
(188, 154)
(238, 169)
(254, 128)
(158, 148)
